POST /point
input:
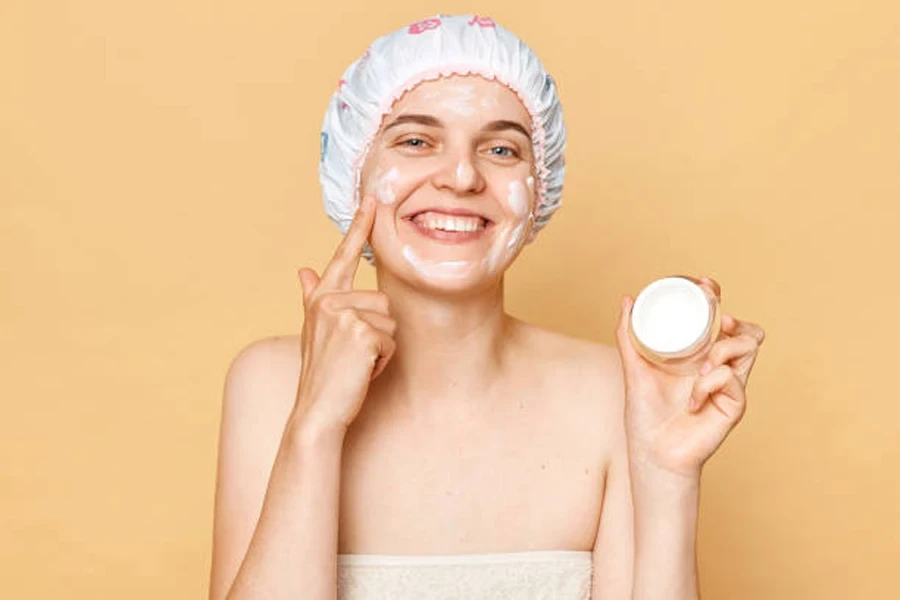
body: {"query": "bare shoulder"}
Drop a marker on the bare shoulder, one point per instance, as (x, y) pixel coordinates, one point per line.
(264, 374)
(260, 390)
(259, 395)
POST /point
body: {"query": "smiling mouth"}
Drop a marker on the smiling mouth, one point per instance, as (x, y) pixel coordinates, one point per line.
(450, 227)
(436, 221)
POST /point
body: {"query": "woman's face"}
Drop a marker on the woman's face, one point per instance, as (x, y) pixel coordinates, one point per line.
(452, 169)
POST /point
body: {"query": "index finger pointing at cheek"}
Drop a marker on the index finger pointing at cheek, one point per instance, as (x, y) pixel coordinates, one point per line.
(340, 271)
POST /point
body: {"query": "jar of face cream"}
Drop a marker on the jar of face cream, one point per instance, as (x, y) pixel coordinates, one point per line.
(674, 322)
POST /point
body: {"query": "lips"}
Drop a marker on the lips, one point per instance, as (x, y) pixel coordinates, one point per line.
(447, 212)
(444, 222)
(449, 225)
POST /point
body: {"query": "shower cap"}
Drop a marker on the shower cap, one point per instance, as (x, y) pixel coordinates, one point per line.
(442, 45)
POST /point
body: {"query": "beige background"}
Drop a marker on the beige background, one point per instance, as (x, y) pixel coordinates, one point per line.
(158, 183)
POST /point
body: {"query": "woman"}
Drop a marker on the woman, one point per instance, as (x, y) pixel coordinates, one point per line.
(417, 441)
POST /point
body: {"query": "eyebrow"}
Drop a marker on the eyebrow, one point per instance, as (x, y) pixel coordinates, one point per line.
(418, 119)
(505, 125)
(429, 121)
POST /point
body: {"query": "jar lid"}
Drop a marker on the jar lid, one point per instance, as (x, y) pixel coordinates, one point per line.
(670, 315)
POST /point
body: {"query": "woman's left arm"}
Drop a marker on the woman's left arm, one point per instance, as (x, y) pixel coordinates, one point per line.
(673, 424)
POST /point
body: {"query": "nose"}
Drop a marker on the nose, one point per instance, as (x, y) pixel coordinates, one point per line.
(459, 174)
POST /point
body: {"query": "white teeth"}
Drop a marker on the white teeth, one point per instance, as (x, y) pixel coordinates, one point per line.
(444, 223)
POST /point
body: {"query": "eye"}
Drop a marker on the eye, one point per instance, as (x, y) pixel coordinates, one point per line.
(504, 151)
(414, 143)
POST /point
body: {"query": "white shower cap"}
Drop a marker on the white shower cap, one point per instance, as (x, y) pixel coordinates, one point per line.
(440, 46)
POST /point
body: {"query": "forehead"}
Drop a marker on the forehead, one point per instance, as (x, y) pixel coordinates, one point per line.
(463, 96)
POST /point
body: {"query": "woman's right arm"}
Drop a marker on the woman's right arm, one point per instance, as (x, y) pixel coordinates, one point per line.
(347, 340)
(290, 549)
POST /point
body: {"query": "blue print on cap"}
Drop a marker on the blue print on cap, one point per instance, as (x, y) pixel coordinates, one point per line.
(324, 146)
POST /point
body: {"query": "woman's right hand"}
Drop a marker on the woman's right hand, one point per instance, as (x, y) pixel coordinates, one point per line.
(348, 335)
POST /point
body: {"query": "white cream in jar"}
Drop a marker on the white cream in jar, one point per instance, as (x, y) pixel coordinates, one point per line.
(674, 322)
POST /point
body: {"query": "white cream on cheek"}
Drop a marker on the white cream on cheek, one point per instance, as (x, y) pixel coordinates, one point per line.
(517, 200)
(514, 233)
(516, 237)
(382, 185)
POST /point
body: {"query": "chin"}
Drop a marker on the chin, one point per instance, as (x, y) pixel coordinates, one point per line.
(473, 284)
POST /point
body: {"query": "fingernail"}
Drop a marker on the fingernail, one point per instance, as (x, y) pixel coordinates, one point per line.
(706, 368)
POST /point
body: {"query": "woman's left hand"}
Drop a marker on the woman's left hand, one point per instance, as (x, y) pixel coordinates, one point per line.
(676, 422)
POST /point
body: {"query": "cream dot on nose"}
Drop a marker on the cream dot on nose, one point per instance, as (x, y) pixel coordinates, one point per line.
(464, 174)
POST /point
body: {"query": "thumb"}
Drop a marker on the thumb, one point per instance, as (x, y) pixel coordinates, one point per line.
(309, 281)
(630, 356)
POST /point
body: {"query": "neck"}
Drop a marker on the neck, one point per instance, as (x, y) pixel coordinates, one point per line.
(450, 348)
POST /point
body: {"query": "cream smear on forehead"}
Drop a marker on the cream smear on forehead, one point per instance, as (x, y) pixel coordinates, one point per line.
(489, 102)
(443, 269)
(458, 99)
(382, 188)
